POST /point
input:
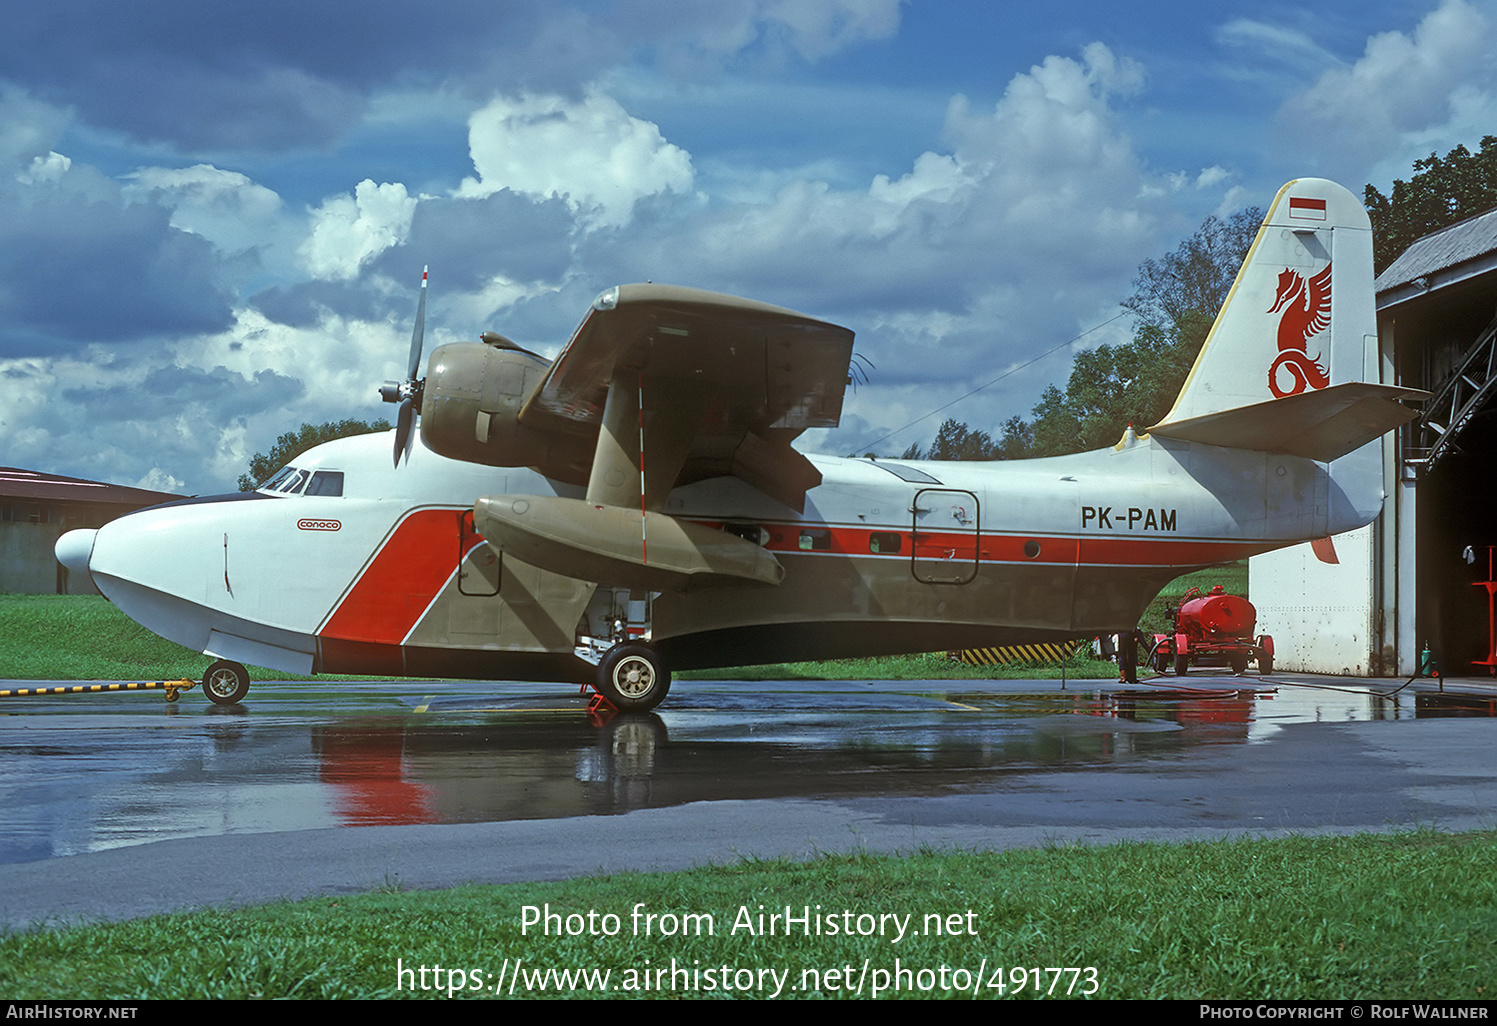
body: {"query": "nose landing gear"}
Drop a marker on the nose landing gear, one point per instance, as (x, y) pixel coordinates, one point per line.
(226, 682)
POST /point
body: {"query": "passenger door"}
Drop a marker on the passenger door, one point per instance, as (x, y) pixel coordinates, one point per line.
(945, 533)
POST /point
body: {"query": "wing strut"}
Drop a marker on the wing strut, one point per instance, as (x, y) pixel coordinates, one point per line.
(644, 520)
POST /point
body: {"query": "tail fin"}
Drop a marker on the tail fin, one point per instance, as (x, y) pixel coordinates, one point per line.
(1291, 363)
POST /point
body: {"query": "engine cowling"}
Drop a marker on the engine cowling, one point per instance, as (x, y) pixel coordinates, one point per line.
(471, 405)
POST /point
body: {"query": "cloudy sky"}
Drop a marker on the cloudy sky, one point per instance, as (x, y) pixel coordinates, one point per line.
(213, 217)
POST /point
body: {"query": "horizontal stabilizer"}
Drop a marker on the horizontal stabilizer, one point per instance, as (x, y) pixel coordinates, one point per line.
(616, 546)
(1321, 425)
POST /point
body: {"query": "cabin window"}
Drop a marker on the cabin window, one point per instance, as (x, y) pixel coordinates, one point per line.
(815, 540)
(326, 482)
(748, 532)
(884, 543)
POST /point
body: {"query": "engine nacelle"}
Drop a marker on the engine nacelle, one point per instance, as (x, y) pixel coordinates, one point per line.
(470, 411)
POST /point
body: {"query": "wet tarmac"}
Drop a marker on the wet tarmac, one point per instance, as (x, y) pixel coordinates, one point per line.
(311, 788)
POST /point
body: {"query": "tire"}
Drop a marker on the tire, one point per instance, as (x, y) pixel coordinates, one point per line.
(1239, 662)
(633, 678)
(1182, 664)
(226, 683)
(1265, 664)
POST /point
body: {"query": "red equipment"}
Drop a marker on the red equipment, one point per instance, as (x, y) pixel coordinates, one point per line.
(1215, 629)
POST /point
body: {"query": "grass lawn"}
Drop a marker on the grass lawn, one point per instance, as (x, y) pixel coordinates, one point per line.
(1409, 915)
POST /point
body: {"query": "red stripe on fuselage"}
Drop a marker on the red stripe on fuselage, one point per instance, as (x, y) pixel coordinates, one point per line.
(1110, 550)
(401, 581)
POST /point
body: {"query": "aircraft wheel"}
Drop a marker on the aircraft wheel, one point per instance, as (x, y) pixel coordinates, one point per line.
(633, 678)
(226, 683)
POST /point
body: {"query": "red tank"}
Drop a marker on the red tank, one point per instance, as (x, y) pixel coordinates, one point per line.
(1215, 629)
(1217, 616)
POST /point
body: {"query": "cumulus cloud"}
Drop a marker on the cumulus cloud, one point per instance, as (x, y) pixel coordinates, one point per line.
(348, 231)
(591, 153)
(1045, 174)
(1402, 87)
(158, 480)
(225, 207)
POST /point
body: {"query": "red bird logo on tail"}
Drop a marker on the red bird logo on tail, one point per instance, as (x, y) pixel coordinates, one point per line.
(1307, 312)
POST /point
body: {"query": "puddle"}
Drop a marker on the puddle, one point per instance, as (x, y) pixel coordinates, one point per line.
(83, 777)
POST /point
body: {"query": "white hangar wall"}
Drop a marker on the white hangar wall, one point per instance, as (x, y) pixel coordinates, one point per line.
(1321, 615)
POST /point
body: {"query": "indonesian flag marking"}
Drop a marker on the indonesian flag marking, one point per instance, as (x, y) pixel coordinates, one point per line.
(1309, 209)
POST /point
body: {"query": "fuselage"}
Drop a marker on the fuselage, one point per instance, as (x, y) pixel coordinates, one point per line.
(350, 565)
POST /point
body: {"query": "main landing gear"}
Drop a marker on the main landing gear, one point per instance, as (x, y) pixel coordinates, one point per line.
(633, 678)
(226, 682)
(614, 637)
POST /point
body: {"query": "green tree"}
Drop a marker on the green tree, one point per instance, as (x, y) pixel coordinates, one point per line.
(1017, 440)
(1441, 192)
(294, 443)
(1177, 290)
(955, 441)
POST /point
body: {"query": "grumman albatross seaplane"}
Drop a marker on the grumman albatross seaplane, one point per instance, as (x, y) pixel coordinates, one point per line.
(636, 506)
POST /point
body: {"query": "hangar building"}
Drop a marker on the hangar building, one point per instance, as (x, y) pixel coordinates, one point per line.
(1412, 580)
(36, 509)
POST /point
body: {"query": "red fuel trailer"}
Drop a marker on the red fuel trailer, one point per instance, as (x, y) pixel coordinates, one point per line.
(1215, 629)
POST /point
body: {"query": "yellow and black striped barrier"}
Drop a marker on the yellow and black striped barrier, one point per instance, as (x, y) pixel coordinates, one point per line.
(171, 687)
(1044, 652)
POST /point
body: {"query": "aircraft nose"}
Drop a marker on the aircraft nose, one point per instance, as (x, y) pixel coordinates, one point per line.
(74, 549)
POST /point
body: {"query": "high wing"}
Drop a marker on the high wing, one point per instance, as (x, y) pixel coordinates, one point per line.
(659, 386)
(726, 384)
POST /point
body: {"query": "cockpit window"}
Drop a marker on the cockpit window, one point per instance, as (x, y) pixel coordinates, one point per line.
(291, 481)
(278, 479)
(326, 482)
(293, 485)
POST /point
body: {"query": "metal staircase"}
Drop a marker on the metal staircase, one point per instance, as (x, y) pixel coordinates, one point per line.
(1459, 399)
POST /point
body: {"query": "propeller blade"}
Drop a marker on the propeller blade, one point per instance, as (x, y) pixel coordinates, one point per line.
(408, 392)
(403, 427)
(418, 333)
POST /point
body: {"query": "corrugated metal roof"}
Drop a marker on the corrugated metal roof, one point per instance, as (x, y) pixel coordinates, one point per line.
(1441, 250)
(16, 483)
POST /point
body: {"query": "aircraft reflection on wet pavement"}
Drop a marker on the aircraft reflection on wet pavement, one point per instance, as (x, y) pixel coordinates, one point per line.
(100, 772)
